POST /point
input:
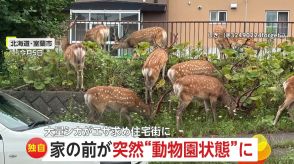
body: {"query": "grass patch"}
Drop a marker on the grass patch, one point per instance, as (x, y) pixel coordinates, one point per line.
(195, 123)
(287, 158)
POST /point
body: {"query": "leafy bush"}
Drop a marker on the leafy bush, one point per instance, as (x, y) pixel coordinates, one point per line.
(42, 72)
(241, 71)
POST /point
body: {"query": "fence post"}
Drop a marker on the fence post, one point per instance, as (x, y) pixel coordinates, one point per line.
(244, 27)
(171, 33)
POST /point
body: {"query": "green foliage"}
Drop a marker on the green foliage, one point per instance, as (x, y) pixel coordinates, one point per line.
(73, 113)
(181, 47)
(197, 51)
(284, 156)
(38, 17)
(241, 71)
(39, 72)
(14, 64)
(31, 18)
(142, 49)
(244, 70)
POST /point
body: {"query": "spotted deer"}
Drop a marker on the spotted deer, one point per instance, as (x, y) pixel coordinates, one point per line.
(153, 35)
(98, 34)
(74, 54)
(155, 63)
(117, 99)
(191, 67)
(223, 42)
(206, 88)
(289, 99)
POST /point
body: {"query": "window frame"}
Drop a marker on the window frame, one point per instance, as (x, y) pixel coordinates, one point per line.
(24, 109)
(90, 23)
(218, 15)
(277, 25)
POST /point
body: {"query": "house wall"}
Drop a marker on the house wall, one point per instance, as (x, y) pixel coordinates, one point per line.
(155, 17)
(247, 10)
(255, 9)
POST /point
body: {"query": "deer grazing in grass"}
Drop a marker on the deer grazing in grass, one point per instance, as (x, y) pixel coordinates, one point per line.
(206, 88)
(289, 98)
(117, 99)
(155, 63)
(74, 54)
(98, 34)
(153, 35)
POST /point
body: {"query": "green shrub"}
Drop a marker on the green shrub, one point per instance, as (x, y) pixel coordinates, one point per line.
(242, 71)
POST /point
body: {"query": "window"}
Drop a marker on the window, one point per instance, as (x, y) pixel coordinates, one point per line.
(18, 116)
(277, 16)
(81, 16)
(129, 17)
(218, 16)
(89, 19)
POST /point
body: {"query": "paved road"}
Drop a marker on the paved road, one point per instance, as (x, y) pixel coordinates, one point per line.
(279, 138)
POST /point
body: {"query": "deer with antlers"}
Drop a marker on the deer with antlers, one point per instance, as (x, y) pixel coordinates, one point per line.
(289, 98)
(206, 88)
(153, 35)
(74, 54)
(155, 63)
(125, 101)
(98, 34)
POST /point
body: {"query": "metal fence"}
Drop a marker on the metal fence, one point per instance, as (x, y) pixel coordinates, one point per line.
(192, 32)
